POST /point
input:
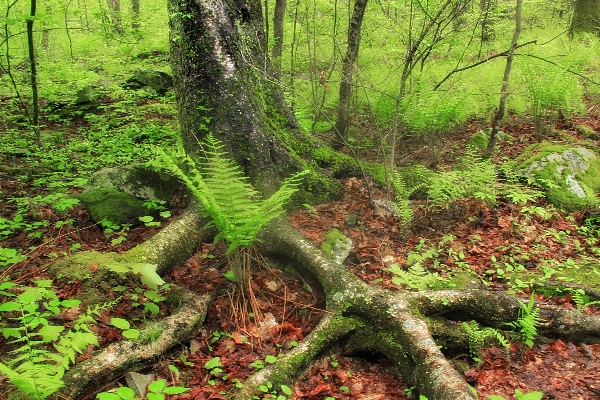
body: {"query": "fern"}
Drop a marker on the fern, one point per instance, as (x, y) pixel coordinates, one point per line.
(582, 300)
(224, 193)
(477, 337)
(33, 369)
(528, 321)
(416, 277)
(403, 193)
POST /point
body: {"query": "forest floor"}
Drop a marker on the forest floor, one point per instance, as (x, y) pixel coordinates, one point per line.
(484, 236)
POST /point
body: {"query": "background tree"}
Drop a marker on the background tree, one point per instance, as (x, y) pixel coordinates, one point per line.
(348, 67)
(586, 16)
(277, 52)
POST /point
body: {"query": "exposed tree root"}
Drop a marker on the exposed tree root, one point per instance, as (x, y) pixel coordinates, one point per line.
(396, 323)
(154, 340)
(406, 327)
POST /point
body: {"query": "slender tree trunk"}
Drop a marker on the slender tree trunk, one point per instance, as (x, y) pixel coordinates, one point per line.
(348, 66)
(586, 17)
(32, 66)
(135, 18)
(487, 33)
(115, 16)
(504, 93)
(278, 16)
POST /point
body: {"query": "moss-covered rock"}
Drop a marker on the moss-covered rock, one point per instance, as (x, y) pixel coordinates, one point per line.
(569, 173)
(480, 139)
(98, 273)
(118, 194)
(336, 246)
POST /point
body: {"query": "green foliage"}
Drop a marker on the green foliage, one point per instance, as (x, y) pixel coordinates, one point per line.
(224, 193)
(156, 391)
(520, 396)
(475, 178)
(478, 336)
(403, 194)
(32, 368)
(528, 320)
(582, 300)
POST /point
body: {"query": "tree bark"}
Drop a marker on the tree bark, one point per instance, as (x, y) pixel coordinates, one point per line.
(135, 14)
(278, 16)
(504, 92)
(218, 54)
(348, 66)
(586, 17)
(115, 16)
(33, 68)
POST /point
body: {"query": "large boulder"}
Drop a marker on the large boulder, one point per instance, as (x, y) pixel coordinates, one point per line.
(118, 194)
(570, 173)
(157, 80)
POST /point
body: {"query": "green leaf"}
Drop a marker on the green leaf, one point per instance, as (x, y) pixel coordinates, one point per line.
(50, 333)
(175, 390)
(494, 397)
(230, 275)
(131, 333)
(286, 389)
(257, 364)
(120, 323)
(157, 386)
(146, 218)
(153, 308)
(344, 389)
(173, 369)
(155, 396)
(10, 306)
(213, 363)
(108, 396)
(126, 393)
(271, 359)
(70, 303)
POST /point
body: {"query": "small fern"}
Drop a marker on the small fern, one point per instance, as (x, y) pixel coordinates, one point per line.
(478, 336)
(582, 300)
(224, 193)
(403, 193)
(33, 369)
(228, 199)
(416, 277)
(528, 321)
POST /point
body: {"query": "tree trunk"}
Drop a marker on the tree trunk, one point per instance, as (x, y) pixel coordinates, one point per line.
(504, 92)
(32, 66)
(278, 35)
(348, 66)
(586, 17)
(217, 54)
(135, 11)
(115, 16)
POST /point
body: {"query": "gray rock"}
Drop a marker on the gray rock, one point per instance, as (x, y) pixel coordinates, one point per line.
(118, 194)
(87, 95)
(569, 173)
(157, 80)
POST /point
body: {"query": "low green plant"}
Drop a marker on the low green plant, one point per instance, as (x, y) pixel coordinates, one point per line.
(403, 193)
(416, 277)
(228, 199)
(520, 396)
(582, 300)
(10, 256)
(477, 337)
(156, 391)
(528, 321)
(33, 369)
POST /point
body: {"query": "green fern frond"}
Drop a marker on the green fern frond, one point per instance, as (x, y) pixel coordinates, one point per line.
(220, 186)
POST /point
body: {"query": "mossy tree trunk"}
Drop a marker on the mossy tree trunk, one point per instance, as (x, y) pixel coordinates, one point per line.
(225, 84)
